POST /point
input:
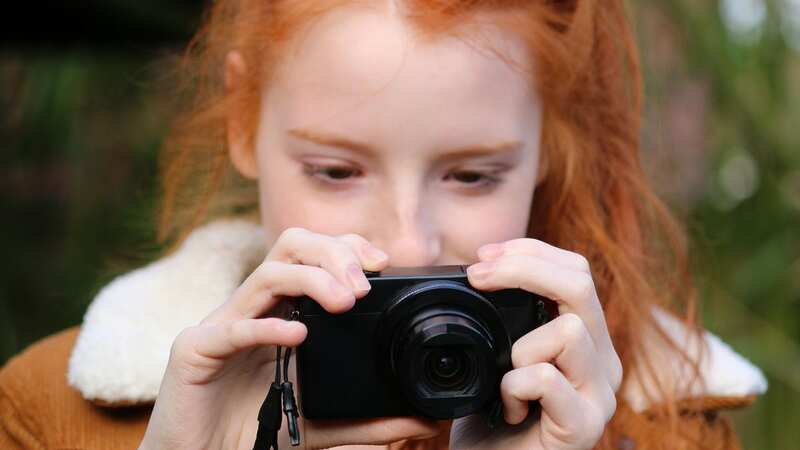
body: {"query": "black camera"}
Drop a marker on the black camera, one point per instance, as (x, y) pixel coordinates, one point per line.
(423, 342)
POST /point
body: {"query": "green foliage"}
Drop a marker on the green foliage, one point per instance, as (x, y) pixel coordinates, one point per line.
(745, 216)
(80, 135)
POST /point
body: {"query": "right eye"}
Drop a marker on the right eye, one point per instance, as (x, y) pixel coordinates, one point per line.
(330, 174)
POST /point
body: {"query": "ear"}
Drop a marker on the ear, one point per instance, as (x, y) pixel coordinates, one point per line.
(242, 155)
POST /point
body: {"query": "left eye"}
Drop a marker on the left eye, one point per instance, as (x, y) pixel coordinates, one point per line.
(472, 178)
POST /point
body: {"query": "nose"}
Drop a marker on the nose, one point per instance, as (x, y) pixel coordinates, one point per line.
(410, 236)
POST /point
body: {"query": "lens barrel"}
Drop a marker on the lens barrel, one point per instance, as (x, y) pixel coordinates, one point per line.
(442, 349)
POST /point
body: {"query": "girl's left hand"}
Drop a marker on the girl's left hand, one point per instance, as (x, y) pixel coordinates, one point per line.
(569, 364)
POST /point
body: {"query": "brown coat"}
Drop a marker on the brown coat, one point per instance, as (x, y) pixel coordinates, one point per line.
(50, 394)
(38, 410)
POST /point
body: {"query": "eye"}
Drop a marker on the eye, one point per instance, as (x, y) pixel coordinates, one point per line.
(332, 174)
(474, 179)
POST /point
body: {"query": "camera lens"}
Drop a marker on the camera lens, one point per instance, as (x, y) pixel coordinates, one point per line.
(443, 345)
(444, 360)
(447, 369)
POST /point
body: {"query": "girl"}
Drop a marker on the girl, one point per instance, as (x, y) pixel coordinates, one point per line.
(499, 134)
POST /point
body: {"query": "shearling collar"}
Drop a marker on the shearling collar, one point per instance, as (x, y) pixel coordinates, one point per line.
(123, 347)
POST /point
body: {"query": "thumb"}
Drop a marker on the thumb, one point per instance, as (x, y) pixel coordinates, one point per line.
(330, 433)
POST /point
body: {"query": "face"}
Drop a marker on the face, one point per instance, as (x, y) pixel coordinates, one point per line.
(428, 150)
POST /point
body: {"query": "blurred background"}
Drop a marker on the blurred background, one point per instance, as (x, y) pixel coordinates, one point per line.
(81, 119)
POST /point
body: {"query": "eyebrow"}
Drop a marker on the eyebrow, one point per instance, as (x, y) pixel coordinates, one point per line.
(331, 140)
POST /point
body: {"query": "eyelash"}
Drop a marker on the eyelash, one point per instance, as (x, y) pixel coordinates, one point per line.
(318, 172)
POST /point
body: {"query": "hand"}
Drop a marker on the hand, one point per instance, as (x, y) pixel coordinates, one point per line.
(219, 371)
(569, 364)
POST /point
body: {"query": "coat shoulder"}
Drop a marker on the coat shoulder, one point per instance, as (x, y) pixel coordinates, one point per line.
(38, 365)
(39, 409)
(701, 371)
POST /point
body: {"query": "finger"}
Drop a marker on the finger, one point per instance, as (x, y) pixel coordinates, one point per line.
(331, 433)
(272, 280)
(225, 340)
(535, 247)
(566, 341)
(574, 291)
(543, 382)
(344, 257)
(372, 258)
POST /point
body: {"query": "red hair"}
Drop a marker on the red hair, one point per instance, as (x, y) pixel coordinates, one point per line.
(595, 199)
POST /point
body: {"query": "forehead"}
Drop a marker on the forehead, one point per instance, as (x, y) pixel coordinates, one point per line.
(353, 65)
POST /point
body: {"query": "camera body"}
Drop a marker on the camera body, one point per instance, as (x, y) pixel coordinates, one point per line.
(422, 342)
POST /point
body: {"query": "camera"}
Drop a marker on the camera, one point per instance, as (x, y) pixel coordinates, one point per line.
(422, 342)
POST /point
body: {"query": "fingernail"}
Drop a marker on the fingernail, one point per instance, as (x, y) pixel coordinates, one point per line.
(481, 270)
(357, 278)
(490, 251)
(375, 254)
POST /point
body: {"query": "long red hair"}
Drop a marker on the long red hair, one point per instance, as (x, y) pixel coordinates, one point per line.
(595, 199)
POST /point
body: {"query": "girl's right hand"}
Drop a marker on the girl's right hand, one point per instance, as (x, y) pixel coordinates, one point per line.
(219, 371)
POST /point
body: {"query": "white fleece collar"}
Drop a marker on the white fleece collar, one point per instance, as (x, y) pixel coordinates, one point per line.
(123, 346)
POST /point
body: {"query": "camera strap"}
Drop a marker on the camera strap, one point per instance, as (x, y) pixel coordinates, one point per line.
(280, 393)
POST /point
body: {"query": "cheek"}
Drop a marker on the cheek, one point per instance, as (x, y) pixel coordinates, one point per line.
(497, 220)
(287, 200)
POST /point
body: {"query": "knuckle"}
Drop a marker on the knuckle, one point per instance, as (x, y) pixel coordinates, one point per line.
(289, 240)
(549, 376)
(582, 263)
(512, 384)
(354, 238)
(520, 244)
(336, 252)
(183, 343)
(267, 267)
(531, 243)
(505, 270)
(572, 328)
(321, 276)
(292, 234)
(341, 251)
(317, 282)
(615, 377)
(267, 270)
(583, 286)
(238, 332)
(310, 279)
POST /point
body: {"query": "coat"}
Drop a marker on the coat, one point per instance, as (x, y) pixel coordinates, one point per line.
(92, 387)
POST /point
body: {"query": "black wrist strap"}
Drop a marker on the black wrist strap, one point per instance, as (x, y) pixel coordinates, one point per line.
(281, 393)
